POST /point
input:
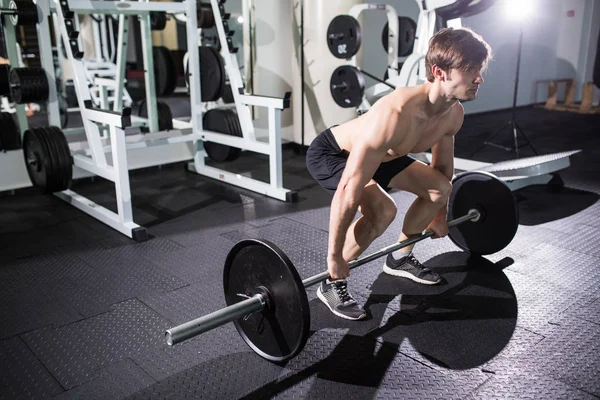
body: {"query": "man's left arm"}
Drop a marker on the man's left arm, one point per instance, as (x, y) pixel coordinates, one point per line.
(442, 154)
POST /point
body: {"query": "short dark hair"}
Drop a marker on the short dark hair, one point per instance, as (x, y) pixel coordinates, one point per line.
(457, 48)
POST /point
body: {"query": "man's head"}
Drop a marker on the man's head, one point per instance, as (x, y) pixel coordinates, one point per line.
(456, 58)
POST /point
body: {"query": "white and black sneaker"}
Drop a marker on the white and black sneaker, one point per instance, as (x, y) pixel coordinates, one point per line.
(335, 296)
(409, 267)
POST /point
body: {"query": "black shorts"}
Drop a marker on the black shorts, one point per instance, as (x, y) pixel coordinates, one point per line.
(326, 162)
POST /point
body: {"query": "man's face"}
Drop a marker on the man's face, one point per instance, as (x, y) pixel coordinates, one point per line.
(463, 85)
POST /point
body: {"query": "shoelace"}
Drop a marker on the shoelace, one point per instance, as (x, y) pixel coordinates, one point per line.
(415, 261)
(342, 291)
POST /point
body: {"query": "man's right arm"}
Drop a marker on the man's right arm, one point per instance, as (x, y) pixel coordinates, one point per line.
(367, 152)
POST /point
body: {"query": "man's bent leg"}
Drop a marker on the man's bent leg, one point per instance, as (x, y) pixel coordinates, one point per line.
(432, 189)
(378, 211)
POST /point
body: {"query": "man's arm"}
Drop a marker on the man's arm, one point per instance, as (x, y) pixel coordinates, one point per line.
(367, 152)
(442, 153)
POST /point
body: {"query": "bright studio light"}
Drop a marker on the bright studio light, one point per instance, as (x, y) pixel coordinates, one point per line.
(518, 10)
(240, 20)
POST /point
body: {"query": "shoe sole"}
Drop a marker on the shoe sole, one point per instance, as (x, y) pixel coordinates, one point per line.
(404, 274)
(322, 298)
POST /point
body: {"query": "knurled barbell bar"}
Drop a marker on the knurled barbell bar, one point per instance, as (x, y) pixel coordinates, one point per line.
(273, 316)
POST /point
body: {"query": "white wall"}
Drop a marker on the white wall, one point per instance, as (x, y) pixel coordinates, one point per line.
(554, 46)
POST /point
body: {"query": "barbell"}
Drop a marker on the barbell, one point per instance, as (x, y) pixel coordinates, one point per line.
(21, 12)
(266, 298)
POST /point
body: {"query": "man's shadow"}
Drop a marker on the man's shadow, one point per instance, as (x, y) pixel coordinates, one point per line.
(461, 323)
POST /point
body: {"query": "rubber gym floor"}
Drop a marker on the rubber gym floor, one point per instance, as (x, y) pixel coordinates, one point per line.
(84, 308)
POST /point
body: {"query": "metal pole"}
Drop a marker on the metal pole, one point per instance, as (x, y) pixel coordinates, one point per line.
(256, 303)
(215, 319)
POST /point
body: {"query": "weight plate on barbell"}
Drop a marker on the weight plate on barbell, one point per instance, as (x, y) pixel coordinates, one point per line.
(499, 213)
(344, 36)
(281, 329)
(165, 71)
(226, 121)
(347, 86)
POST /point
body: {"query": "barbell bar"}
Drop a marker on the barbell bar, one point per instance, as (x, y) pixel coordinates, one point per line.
(258, 301)
(274, 316)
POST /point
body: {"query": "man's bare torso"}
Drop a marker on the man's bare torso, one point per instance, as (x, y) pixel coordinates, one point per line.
(418, 135)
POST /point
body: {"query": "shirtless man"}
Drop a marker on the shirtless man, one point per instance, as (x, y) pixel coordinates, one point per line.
(361, 160)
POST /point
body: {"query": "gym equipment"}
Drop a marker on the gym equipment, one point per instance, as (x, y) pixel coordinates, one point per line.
(158, 21)
(212, 73)
(165, 72)
(347, 86)
(21, 12)
(259, 272)
(28, 85)
(206, 17)
(4, 83)
(222, 120)
(165, 116)
(10, 135)
(344, 36)
(48, 159)
(407, 30)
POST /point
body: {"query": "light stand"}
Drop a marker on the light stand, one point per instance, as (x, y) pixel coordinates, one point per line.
(512, 124)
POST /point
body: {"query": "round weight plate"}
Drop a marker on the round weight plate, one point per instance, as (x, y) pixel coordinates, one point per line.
(4, 84)
(26, 12)
(347, 86)
(165, 116)
(165, 72)
(221, 121)
(65, 160)
(407, 29)
(499, 213)
(158, 20)
(212, 74)
(206, 18)
(281, 329)
(10, 135)
(37, 159)
(344, 36)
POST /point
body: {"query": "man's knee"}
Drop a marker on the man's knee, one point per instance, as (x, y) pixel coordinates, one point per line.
(382, 215)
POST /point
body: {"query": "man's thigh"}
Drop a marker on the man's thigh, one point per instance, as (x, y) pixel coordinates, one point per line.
(420, 179)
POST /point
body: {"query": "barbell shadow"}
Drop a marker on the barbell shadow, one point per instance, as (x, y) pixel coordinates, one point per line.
(477, 304)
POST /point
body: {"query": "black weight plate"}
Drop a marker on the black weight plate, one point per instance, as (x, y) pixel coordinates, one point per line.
(4, 83)
(10, 135)
(344, 36)
(228, 94)
(221, 121)
(347, 86)
(27, 13)
(407, 30)
(37, 160)
(281, 329)
(165, 116)
(206, 18)
(165, 72)
(57, 181)
(212, 74)
(28, 85)
(494, 199)
(64, 156)
(158, 20)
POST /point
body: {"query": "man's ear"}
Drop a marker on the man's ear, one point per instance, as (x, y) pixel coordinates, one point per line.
(438, 73)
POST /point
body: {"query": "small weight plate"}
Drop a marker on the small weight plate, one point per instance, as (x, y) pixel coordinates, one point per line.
(65, 160)
(499, 213)
(347, 86)
(37, 159)
(344, 36)
(280, 330)
(221, 121)
(165, 116)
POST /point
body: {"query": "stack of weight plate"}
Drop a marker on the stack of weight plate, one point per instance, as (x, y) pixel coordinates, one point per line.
(222, 120)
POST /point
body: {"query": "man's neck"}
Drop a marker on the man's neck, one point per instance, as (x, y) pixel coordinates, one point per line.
(437, 103)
